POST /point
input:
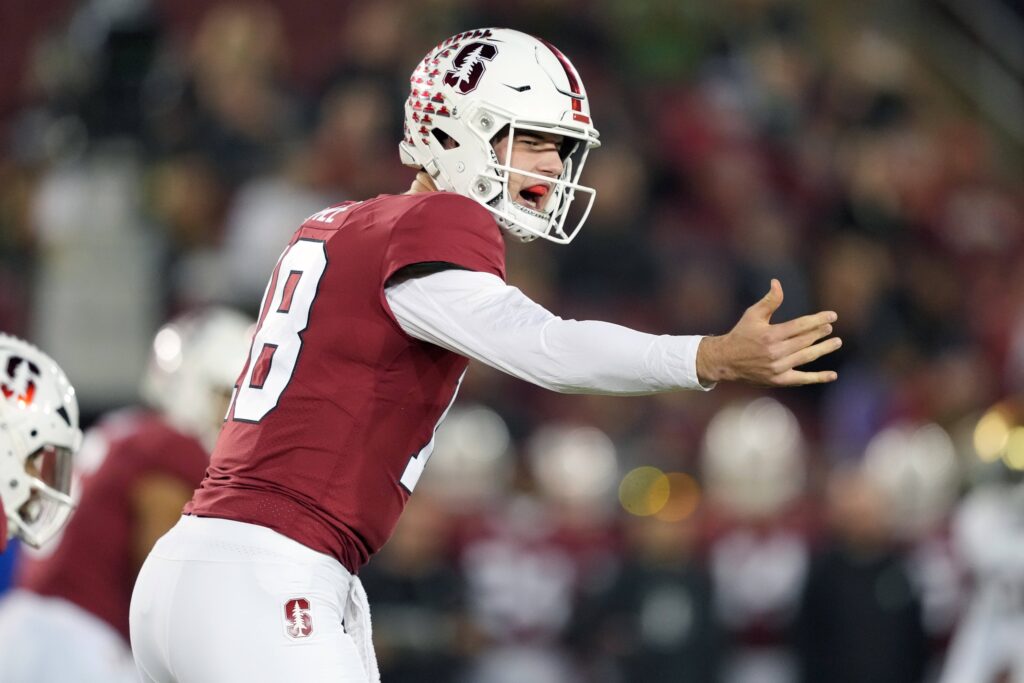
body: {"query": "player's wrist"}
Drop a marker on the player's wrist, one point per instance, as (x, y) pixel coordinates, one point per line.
(709, 365)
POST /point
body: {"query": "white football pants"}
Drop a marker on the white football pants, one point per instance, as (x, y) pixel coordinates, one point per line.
(224, 601)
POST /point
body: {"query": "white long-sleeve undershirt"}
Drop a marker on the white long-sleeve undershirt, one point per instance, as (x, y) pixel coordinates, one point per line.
(477, 315)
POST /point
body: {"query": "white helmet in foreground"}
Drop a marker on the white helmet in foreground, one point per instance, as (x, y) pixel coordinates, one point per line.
(194, 364)
(478, 84)
(38, 435)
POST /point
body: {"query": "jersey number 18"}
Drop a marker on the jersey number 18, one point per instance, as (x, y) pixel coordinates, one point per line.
(278, 340)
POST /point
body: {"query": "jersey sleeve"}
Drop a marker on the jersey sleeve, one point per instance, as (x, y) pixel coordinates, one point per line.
(446, 227)
(478, 316)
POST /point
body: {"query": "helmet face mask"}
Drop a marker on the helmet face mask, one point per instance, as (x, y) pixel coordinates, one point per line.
(478, 84)
(526, 223)
(38, 435)
(49, 504)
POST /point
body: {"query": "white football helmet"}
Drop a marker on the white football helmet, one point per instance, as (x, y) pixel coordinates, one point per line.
(754, 457)
(194, 364)
(574, 464)
(38, 435)
(477, 84)
(472, 460)
(918, 470)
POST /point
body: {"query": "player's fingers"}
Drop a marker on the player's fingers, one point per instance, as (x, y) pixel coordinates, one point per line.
(795, 378)
(803, 324)
(805, 356)
(792, 345)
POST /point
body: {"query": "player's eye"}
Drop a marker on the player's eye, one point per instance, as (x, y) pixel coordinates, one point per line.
(537, 144)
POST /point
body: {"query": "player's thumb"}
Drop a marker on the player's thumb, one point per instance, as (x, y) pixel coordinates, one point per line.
(771, 301)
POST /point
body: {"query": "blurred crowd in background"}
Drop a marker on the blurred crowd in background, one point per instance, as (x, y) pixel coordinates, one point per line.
(156, 156)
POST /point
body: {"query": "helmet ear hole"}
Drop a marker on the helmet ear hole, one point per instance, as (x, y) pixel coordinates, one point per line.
(446, 141)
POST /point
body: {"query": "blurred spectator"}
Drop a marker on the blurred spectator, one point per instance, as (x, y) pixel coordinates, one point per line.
(654, 620)
(420, 631)
(97, 272)
(860, 616)
(237, 110)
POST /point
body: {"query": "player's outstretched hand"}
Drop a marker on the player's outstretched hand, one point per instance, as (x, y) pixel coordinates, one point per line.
(758, 352)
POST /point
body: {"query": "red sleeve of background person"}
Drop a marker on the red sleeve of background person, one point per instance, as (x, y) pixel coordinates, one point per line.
(90, 563)
(324, 465)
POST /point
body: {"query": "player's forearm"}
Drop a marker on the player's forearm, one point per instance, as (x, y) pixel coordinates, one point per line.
(597, 357)
(480, 317)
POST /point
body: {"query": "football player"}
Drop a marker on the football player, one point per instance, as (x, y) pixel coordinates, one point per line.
(759, 534)
(38, 435)
(988, 536)
(134, 472)
(365, 331)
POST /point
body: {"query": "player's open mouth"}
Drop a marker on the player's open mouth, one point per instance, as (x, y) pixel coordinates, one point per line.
(533, 196)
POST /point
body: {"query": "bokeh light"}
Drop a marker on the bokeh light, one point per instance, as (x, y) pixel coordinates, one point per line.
(167, 348)
(991, 435)
(644, 491)
(683, 498)
(1014, 455)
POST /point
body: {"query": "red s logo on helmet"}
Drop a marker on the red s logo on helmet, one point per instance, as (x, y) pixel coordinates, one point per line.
(19, 380)
(468, 66)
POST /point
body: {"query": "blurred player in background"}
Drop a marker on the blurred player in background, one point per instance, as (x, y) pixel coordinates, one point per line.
(917, 469)
(38, 435)
(760, 528)
(423, 627)
(365, 332)
(527, 559)
(988, 533)
(68, 619)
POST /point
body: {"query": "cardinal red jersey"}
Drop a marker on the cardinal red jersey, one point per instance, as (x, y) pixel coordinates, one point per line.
(334, 414)
(92, 563)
